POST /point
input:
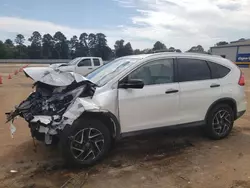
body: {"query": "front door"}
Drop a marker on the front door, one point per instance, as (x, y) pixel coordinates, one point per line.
(156, 104)
(84, 66)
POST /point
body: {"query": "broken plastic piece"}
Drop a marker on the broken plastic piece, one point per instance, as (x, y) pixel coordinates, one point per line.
(48, 139)
(12, 129)
(43, 119)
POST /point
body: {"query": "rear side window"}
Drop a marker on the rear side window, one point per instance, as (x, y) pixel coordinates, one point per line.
(97, 62)
(192, 70)
(84, 62)
(218, 71)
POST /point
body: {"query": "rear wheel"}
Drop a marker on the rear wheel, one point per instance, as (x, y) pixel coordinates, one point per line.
(220, 121)
(85, 142)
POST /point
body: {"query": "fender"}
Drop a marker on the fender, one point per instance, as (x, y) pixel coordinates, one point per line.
(223, 100)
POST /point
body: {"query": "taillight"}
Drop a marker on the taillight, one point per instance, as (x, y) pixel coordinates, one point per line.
(242, 79)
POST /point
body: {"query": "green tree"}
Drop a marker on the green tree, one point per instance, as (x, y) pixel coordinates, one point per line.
(10, 49)
(197, 49)
(83, 47)
(159, 46)
(48, 46)
(128, 50)
(171, 49)
(2, 50)
(61, 49)
(19, 40)
(35, 49)
(137, 51)
(21, 51)
(92, 43)
(178, 50)
(101, 48)
(119, 46)
(73, 44)
(121, 49)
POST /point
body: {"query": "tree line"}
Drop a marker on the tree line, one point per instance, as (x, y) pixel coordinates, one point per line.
(59, 47)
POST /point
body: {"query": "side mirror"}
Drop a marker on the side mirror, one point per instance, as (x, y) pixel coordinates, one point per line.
(133, 83)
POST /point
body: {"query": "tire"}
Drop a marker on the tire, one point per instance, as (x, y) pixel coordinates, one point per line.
(95, 138)
(219, 126)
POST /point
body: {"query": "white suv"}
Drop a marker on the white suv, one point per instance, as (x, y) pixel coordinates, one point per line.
(131, 95)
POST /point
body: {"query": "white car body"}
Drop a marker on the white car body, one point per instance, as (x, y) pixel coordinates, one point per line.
(150, 107)
(80, 65)
(134, 94)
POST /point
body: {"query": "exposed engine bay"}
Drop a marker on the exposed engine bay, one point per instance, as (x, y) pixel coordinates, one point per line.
(58, 100)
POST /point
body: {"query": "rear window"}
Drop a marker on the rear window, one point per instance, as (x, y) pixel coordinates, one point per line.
(97, 62)
(193, 70)
(218, 71)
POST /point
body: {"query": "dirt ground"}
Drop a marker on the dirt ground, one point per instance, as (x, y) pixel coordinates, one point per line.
(181, 158)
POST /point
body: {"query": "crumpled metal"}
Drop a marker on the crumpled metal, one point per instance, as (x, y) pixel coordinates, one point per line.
(53, 77)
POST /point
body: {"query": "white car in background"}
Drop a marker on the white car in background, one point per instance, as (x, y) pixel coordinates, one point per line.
(80, 65)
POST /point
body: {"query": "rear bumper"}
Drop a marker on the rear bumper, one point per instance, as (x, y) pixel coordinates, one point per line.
(241, 113)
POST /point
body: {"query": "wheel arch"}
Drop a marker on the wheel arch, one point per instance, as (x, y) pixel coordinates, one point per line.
(108, 119)
(229, 101)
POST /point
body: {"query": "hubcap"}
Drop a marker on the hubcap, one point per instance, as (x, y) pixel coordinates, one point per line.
(87, 144)
(222, 122)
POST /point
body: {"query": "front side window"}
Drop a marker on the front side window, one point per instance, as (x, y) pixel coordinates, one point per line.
(193, 70)
(155, 72)
(85, 63)
(218, 71)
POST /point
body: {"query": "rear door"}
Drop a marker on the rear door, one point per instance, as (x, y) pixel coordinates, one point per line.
(84, 66)
(198, 90)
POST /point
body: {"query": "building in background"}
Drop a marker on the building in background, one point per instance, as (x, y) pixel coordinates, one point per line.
(237, 51)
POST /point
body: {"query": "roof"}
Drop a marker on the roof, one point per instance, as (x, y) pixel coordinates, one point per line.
(235, 44)
(175, 54)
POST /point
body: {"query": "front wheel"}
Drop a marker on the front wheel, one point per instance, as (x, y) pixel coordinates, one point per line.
(220, 122)
(85, 142)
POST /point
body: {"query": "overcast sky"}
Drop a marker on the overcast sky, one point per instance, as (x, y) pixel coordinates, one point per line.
(177, 23)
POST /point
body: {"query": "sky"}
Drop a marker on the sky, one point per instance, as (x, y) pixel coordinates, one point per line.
(178, 23)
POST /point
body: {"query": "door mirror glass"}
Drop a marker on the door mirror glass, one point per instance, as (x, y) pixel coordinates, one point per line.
(132, 83)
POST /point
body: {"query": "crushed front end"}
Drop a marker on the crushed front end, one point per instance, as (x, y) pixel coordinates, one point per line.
(57, 101)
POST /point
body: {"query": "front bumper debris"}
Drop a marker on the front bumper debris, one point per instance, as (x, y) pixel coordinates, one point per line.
(58, 100)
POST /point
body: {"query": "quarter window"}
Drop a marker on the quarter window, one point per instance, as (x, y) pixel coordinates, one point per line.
(155, 72)
(218, 71)
(97, 62)
(192, 70)
(84, 62)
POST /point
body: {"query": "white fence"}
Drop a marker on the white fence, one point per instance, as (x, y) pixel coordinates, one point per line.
(34, 61)
(37, 61)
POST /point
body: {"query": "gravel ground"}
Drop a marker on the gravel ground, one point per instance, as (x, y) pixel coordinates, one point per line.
(181, 158)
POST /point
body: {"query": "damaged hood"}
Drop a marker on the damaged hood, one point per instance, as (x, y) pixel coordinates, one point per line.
(50, 76)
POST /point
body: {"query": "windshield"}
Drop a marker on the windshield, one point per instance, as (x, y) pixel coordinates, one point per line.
(74, 61)
(108, 71)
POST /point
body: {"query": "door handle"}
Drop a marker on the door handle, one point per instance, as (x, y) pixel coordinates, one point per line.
(215, 85)
(171, 91)
(90, 68)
